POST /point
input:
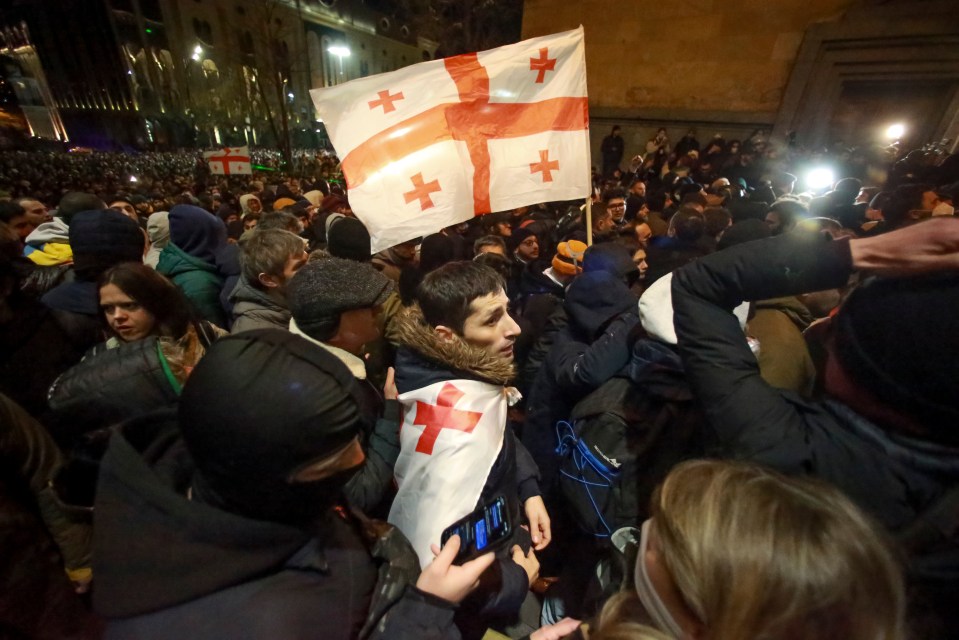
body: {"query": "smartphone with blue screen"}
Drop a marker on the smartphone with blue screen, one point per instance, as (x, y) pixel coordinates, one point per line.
(486, 529)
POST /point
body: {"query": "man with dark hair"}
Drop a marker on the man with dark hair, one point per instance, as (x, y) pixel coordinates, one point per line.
(229, 513)
(885, 431)
(49, 243)
(656, 204)
(908, 204)
(268, 260)
(452, 370)
(489, 244)
(783, 215)
(612, 149)
(615, 201)
(498, 224)
(636, 199)
(17, 219)
(680, 245)
(717, 220)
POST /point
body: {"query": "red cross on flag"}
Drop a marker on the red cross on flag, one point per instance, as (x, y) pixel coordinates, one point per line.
(229, 161)
(433, 144)
(451, 434)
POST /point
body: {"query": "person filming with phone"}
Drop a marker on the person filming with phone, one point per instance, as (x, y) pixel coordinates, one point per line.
(457, 453)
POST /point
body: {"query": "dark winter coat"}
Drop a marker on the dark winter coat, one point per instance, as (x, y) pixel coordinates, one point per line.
(34, 350)
(588, 351)
(894, 477)
(169, 567)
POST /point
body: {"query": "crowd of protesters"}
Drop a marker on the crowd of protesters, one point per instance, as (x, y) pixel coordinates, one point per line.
(714, 402)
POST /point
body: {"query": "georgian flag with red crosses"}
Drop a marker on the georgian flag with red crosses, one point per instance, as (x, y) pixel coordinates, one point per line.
(439, 142)
(451, 434)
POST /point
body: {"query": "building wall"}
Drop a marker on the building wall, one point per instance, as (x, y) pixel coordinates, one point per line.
(722, 67)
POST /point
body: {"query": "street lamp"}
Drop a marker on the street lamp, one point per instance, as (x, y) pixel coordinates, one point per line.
(197, 52)
(895, 131)
(340, 51)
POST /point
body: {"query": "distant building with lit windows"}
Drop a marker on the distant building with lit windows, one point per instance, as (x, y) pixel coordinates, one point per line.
(171, 73)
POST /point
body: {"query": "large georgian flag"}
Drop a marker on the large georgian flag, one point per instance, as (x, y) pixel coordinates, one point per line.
(452, 432)
(229, 161)
(433, 144)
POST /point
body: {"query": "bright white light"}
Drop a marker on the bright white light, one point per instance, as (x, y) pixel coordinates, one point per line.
(290, 96)
(133, 178)
(339, 51)
(196, 56)
(895, 131)
(318, 131)
(198, 49)
(820, 178)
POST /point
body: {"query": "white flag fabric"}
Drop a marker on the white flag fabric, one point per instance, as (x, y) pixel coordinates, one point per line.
(229, 161)
(433, 144)
(452, 432)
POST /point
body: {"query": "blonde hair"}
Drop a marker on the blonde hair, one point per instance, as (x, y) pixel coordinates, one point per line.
(618, 621)
(758, 555)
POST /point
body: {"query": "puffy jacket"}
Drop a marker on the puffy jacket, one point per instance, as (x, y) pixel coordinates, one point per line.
(199, 281)
(254, 309)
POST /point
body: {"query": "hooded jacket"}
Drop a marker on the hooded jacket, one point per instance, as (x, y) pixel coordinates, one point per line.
(589, 350)
(170, 567)
(158, 229)
(254, 309)
(423, 360)
(190, 259)
(198, 279)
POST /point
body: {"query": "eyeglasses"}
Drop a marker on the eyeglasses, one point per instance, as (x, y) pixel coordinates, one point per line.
(621, 205)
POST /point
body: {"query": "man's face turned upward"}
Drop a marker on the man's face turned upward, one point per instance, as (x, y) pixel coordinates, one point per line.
(490, 327)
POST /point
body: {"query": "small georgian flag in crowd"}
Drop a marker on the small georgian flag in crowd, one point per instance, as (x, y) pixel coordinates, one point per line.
(229, 161)
(434, 144)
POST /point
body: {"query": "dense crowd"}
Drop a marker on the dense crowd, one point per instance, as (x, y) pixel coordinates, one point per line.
(711, 402)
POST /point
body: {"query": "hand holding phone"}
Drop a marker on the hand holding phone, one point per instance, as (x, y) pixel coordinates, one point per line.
(487, 529)
(443, 579)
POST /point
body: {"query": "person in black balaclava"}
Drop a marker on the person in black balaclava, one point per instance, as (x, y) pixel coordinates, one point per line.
(235, 534)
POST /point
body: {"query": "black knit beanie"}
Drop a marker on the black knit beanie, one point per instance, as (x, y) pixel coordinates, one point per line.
(348, 238)
(898, 338)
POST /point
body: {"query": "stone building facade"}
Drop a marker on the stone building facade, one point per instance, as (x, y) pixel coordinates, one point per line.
(828, 71)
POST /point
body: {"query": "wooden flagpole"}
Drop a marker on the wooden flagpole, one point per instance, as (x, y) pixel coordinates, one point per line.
(589, 215)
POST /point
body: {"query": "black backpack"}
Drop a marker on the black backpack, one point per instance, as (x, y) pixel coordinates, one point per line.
(620, 443)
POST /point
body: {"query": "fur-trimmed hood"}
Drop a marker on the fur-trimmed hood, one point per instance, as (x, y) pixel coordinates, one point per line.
(412, 331)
